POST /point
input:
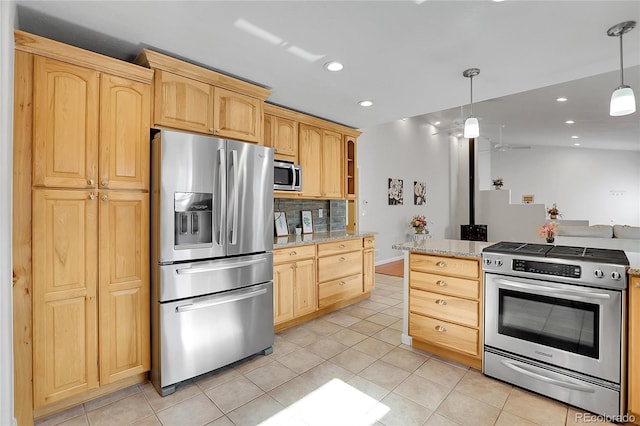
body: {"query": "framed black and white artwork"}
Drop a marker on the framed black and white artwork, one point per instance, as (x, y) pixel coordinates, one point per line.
(280, 219)
(419, 193)
(395, 192)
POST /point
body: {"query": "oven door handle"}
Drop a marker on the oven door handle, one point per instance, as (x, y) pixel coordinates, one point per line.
(186, 271)
(523, 369)
(562, 291)
(220, 301)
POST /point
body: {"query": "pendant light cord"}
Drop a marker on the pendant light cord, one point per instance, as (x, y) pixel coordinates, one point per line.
(472, 94)
(621, 65)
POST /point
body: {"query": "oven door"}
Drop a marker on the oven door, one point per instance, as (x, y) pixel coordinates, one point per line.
(570, 326)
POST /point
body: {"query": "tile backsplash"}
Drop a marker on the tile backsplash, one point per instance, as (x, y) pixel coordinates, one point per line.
(334, 213)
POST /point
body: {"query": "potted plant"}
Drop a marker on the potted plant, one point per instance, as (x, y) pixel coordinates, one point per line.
(498, 182)
(553, 212)
(548, 231)
(419, 224)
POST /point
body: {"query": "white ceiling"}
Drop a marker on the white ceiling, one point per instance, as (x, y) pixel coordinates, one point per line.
(407, 56)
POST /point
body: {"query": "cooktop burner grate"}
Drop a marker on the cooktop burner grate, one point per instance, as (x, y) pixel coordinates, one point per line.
(585, 254)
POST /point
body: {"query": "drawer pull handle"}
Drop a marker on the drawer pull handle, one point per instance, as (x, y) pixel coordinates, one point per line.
(293, 253)
(105, 197)
(105, 182)
(341, 246)
(91, 181)
(92, 196)
(441, 302)
(342, 259)
(442, 283)
(440, 329)
(342, 283)
(441, 264)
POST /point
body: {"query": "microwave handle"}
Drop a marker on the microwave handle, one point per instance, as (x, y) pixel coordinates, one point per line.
(294, 180)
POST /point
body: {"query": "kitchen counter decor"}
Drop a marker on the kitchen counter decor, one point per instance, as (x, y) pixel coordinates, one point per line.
(553, 212)
(548, 231)
(419, 224)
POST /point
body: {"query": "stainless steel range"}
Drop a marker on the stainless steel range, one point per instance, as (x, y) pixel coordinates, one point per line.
(555, 322)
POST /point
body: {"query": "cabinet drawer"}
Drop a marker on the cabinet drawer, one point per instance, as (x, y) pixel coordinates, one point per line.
(447, 308)
(290, 254)
(340, 289)
(444, 265)
(340, 265)
(445, 285)
(341, 246)
(369, 242)
(444, 334)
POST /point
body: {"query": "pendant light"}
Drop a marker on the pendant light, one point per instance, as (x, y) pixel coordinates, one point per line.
(623, 101)
(471, 127)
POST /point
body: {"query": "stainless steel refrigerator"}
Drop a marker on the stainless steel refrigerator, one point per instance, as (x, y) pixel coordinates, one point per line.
(212, 262)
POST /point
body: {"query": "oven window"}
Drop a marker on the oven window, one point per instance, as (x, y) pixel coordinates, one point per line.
(559, 323)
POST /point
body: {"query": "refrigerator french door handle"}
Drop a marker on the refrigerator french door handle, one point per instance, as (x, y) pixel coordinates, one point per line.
(234, 227)
(222, 184)
(220, 301)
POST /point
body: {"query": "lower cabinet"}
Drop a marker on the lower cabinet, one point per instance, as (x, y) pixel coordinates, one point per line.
(90, 290)
(315, 279)
(294, 283)
(445, 307)
(633, 349)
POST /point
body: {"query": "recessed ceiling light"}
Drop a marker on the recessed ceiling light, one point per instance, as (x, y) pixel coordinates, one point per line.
(574, 137)
(576, 144)
(334, 66)
(365, 103)
(403, 119)
(570, 122)
(459, 135)
(436, 123)
(562, 99)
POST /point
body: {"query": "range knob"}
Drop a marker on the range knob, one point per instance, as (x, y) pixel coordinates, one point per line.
(598, 273)
(615, 275)
(498, 262)
(487, 261)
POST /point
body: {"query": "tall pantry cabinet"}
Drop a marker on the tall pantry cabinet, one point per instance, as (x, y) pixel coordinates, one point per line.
(82, 132)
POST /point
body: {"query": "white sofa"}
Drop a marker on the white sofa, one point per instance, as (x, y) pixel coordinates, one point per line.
(621, 237)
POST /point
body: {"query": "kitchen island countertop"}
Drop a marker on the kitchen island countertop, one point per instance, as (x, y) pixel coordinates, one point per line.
(458, 248)
(316, 237)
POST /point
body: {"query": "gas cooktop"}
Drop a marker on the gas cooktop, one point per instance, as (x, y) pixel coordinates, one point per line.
(584, 254)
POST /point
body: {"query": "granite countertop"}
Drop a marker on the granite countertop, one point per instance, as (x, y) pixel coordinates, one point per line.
(459, 248)
(316, 237)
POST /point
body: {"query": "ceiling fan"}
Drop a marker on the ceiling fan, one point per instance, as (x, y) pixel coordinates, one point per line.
(502, 147)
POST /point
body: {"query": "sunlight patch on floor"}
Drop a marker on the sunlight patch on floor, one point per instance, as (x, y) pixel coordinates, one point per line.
(334, 403)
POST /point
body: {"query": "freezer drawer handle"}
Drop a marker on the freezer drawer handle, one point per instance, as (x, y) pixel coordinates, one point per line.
(187, 271)
(524, 369)
(220, 301)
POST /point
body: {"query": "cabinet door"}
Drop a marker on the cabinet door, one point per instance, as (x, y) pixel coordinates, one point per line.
(634, 346)
(65, 335)
(283, 279)
(237, 116)
(304, 299)
(368, 269)
(124, 133)
(350, 168)
(309, 155)
(285, 139)
(182, 103)
(332, 165)
(124, 285)
(65, 124)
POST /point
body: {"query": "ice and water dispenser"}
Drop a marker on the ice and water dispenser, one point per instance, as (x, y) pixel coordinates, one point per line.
(193, 219)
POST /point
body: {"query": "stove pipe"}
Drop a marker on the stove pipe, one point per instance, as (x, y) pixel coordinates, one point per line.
(472, 232)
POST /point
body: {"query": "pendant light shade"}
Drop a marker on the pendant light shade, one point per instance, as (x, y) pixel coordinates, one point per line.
(623, 101)
(471, 126)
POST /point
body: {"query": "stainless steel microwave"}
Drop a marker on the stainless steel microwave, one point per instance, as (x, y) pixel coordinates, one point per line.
(287, 176)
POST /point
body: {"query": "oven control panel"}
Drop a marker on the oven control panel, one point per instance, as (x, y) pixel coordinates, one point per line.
(546, 268)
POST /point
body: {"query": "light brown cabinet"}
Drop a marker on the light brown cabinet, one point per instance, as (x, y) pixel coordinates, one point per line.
(368, 264)
(82, 133)
(281, 134)
(445, 307)
(633, 405)
(320, 154)
(350, 167)
(294, 282)
(339, 271)
(237, 116)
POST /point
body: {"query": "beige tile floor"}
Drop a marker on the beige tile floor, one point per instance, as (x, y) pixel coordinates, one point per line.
(347, 368)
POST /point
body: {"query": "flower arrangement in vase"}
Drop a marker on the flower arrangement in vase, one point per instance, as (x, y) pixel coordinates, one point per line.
(553, 212)
(498, 182)
(548, 231)
(419, 224)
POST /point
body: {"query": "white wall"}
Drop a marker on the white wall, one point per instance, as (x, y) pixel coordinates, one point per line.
(602, 186)
(7, 21)
(404, 150)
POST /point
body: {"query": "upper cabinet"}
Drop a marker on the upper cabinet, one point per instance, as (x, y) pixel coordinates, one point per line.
(320, 155)
(195, 99)
(281, 133)
(90, 130)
